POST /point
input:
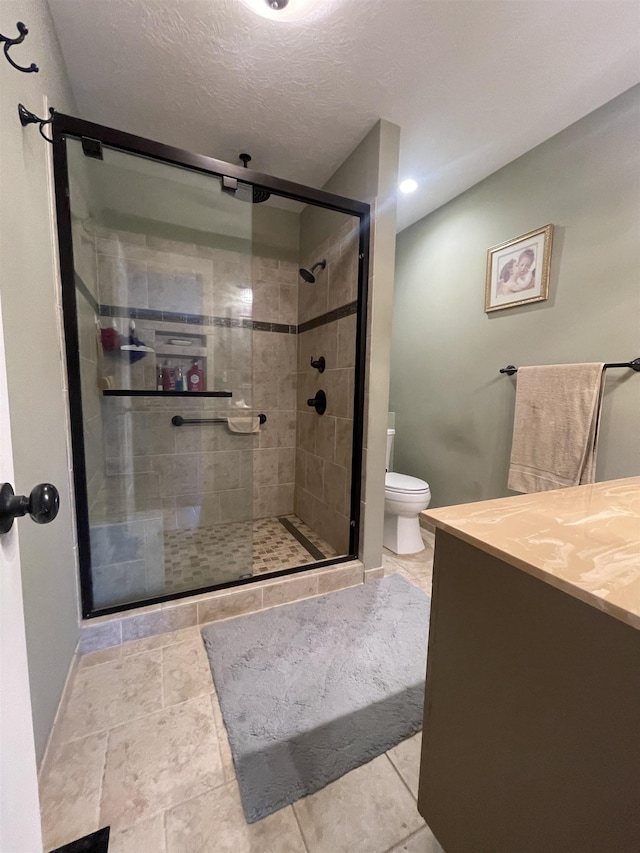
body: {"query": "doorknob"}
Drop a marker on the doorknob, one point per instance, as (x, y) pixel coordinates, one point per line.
(42, 505)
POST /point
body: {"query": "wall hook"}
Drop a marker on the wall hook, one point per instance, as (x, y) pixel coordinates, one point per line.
(8, 43)
(27, 117)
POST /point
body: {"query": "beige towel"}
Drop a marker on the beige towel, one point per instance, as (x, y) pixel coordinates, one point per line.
(243, 424)
(555, 430)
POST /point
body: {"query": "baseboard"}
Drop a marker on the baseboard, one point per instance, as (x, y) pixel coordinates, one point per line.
(62, 704)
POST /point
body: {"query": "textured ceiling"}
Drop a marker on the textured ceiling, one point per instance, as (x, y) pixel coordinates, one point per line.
(472, 83)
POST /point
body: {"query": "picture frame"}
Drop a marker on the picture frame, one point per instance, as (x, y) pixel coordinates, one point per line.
(518, 270)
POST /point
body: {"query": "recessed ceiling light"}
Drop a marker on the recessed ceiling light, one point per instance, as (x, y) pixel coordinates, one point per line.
(408, 186)
(281, 10)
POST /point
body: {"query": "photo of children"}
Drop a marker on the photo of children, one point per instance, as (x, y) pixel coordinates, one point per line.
(518, 270)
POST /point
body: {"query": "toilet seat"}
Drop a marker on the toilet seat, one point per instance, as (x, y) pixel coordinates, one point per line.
(400, 484)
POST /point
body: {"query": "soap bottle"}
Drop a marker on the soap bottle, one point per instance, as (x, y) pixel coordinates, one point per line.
(195, 377)
(179, 379)
(168, 377)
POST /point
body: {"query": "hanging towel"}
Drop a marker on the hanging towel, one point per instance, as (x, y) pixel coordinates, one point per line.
(555, 430)
(245, 424)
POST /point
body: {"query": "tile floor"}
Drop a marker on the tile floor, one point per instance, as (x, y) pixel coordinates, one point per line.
(195, 558)
(142, 746)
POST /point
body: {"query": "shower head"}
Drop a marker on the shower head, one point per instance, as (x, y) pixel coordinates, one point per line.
(259, 195)
(308, 275)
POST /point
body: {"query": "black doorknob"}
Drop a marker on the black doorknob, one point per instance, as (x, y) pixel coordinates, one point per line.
(42, 505)
(319, 402)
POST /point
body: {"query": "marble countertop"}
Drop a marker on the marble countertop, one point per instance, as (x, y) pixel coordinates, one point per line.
(583, 540)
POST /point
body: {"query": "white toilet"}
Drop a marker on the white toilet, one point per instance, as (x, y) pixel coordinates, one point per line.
(404, 498)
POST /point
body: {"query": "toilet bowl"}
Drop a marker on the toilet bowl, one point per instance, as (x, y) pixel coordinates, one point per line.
(405, 498)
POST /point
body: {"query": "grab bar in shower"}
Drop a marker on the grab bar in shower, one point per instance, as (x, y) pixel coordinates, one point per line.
(178, 420)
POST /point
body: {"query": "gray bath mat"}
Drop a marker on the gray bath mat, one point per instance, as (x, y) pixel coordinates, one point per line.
(314, 689)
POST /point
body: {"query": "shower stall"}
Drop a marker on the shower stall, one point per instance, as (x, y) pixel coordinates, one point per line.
(215, 326)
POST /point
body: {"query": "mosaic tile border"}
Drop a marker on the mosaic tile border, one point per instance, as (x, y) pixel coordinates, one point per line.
(329, 317)
(123, 311)
(194, 319)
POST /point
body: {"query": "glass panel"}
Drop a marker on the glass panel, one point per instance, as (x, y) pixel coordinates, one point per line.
(327, 318)
(164, 293)
(187, 290)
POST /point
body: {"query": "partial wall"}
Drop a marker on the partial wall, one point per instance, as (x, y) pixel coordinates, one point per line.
(35, 366)
(454, 410)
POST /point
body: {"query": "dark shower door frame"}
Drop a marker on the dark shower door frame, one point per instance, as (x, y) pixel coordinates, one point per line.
(64, 127)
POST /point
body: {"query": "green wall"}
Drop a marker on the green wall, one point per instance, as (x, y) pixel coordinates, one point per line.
(454, 411)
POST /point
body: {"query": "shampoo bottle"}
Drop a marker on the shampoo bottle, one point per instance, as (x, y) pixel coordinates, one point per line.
(168, 377)
(195, 377)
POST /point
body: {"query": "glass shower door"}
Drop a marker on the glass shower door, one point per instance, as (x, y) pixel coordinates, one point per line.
(163, 303)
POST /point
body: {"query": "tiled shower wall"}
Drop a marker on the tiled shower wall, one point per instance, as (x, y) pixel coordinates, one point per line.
(327, 327)
(198, 475)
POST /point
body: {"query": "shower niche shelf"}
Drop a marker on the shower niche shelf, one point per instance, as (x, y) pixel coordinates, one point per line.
(117, 392)
(189, 346)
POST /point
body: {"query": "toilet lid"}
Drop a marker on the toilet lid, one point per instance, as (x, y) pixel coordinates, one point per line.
(394, 482)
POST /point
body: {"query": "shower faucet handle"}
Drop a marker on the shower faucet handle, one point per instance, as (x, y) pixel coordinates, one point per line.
(319, 364)
(42, 505)
(319, 402)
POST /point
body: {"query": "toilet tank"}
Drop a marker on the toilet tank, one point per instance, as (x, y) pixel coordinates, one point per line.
(390, 435)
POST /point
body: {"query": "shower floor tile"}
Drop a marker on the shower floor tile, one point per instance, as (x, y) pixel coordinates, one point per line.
(222, 553)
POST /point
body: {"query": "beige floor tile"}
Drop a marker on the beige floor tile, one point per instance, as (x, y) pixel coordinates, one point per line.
(223, 741)
(405, 757)
(158, 641)
(215, 823)
(70, 790)
(185, 672)
(112, 693)
(100, 656)
(423, 841)
(366, 811)
(144, 837)
(160, 760)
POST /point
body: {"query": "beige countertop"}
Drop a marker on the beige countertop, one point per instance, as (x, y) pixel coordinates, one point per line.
(584, 540)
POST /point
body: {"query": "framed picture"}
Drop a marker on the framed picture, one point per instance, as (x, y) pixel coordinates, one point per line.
(518, 271)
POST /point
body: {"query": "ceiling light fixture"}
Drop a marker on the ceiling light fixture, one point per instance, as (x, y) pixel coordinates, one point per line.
(282, 10)
(408, 186)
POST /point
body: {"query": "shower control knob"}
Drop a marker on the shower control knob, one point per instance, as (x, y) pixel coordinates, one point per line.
(42, 505)
(319, 402)
(319, 364)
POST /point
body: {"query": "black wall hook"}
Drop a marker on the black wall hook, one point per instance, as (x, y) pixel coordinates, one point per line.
(27, 117)
(8, 43)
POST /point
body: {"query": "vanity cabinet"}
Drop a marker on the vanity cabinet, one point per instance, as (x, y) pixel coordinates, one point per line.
(531, 740)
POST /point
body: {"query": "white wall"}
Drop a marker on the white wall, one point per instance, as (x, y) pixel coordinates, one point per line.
(454, 411)
(34, 354)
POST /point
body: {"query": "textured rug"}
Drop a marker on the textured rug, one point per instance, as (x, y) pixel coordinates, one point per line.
(314, 689)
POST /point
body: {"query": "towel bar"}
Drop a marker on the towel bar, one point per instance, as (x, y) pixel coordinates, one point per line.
(510, 369)
(178, 420)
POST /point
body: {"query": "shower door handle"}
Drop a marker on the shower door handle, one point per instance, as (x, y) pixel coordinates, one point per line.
(42, 505)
